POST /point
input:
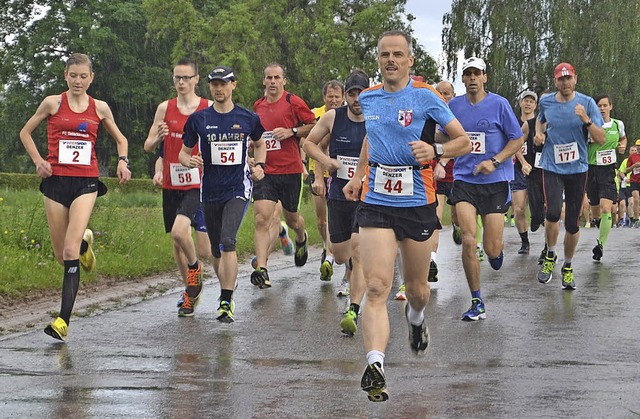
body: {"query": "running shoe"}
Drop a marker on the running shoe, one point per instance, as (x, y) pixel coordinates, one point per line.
(567, 279)
(285, 242)
(433, 271)
(57, 329)
(598, 251)
(401, 295)
(302, 253)
(254, 262)
(349, 323)
(260, 278)
(524, 249)
(188, 307)
(180, 300)
(326, 270)
(457, 235)
(587, 224)
(374, 384)
(476, 311)
(323, 256)
(546, 270)
(194, 281)
(88, 258)
(496, 263)
(480, 253)
(225, 311)
(418, 335)
(343, 289)
(513, 222)
(543, 255)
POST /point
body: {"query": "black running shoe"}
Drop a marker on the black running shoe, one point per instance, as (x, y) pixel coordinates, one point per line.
(374, 384)
(598, 251)
(524, 249)
(418, 335)
(433, 272)
(302, 253)
(260, 278)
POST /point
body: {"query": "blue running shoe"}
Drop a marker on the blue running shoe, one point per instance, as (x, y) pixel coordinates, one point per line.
(476, 311)
(285, 242)
(496, 263)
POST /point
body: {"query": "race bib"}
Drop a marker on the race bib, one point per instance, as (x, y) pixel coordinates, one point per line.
(566, 153)
(524, 148)
(477, 142)
(623, 183)
(183, 176)
(226, 153)
(347, 167)
(394, 180)
(605, 157)
(536, 162)
(270, 142)
(636, 170)
(74, 152)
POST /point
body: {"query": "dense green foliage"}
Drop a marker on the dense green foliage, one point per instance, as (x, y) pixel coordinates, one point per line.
(133, 44)
(523, 41)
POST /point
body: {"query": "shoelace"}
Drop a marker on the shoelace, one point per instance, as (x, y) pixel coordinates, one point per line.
(192, 277)
(187, 301)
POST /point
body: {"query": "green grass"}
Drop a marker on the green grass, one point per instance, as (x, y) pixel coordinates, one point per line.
(129, 239)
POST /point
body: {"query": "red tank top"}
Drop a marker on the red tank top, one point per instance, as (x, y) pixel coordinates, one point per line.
(72, 140)
(177, 176)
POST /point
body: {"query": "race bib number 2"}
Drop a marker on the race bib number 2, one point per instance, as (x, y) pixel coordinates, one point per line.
(74, 152)
(394, 180)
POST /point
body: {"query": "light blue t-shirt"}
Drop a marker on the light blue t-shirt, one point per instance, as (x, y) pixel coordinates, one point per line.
(565, 149)
(393, 120)
(490, 124)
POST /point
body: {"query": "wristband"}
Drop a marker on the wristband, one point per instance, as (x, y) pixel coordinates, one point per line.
(495, 162)
(441, 163)
(588, 124)
(261, 164)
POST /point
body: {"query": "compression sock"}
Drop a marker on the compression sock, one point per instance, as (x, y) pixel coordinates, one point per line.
(605, 227)
(70, 284)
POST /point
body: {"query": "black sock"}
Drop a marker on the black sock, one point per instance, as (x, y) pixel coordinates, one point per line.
(551, 255)
(524, 237)
(194, 266)
(225, 295)
(355, 307)
(70, 284)
(567, 265)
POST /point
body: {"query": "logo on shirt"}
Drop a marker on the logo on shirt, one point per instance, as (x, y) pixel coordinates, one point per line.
(83, 127)
(236, 126)
(405, 117)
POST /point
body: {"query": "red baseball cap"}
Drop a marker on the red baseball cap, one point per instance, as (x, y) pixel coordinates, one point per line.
(564, 69)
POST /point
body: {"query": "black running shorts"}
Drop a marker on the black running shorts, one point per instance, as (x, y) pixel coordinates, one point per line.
(65, 189)
(415, 223)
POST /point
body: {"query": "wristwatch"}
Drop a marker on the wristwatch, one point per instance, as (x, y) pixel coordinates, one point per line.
(495, 162)
(125, 159)
(295, 131)
(588, 124)
(439, 149)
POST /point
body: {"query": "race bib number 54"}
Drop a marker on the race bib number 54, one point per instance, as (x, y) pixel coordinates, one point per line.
(394, 180)
(226, 153)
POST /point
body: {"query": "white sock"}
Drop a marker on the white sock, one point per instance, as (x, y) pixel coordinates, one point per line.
(416, 318)
(433, 256)
(329, 259)
(376, 356)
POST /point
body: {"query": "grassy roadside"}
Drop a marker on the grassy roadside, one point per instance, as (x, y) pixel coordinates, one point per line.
(130, 241)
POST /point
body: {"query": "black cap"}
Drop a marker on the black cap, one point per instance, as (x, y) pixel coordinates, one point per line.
(222, 73)
(356, 80)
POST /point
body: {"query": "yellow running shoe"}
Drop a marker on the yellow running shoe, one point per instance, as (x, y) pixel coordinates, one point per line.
(88, 258)
(57, 329)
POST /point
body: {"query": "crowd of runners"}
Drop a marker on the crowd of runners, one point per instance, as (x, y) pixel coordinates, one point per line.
(381, 161)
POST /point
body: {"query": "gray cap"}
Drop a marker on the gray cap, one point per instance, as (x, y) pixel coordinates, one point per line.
(356, 80)
(529, 93)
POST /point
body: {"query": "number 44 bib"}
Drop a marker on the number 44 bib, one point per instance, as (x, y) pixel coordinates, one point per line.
(394, 180)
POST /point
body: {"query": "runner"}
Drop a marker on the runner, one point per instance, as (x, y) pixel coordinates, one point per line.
(346, 129)
(223, 132)
(70, 173)
(181, 186)
(398, 200)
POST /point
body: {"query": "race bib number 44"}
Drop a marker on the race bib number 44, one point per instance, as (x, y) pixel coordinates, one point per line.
(226, 153)
(477, 142)
(270, 142)
(183, 176)
(74, 152)
(394, 180)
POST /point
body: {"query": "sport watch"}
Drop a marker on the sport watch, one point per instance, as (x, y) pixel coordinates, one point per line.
(295, 131)
(124, 158)
(439, 149)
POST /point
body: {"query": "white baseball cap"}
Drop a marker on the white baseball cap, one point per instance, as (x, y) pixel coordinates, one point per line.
(474, 62)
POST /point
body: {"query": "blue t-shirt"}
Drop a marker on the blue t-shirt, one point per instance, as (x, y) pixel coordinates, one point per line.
(565, 149)
(223, 139)
(393, 119)
(490, 124)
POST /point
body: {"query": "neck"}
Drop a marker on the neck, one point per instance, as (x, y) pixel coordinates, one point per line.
(562, 98)
(396, 86)
(353, 117)
(526, 116)
(475, 97)
(187, 98)
(274, 98)
(223, 107)
(607, 118)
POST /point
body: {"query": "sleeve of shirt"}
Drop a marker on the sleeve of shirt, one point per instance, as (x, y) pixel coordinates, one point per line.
(621, 128)
(190, 136)
(302, 111)
(258, 129)
(510, 124)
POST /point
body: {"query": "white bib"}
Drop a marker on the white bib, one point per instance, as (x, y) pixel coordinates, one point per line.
(226, 153)
(605, 157)
(536, 162)
(74, 152)
(524, 148)
(566, 153)
(347, 167)
(394, 180)
(636, 170)
(183, 176)
(270, 142)
(477, 142)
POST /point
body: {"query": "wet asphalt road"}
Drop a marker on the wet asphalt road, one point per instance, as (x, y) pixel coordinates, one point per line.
(541, 352)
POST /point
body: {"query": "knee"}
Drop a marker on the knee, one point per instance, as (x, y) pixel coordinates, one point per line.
(572, 228)
(377, 289)
(553, 216)
(228, 244)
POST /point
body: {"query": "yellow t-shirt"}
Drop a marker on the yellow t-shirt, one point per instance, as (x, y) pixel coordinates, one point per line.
(318, 113)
